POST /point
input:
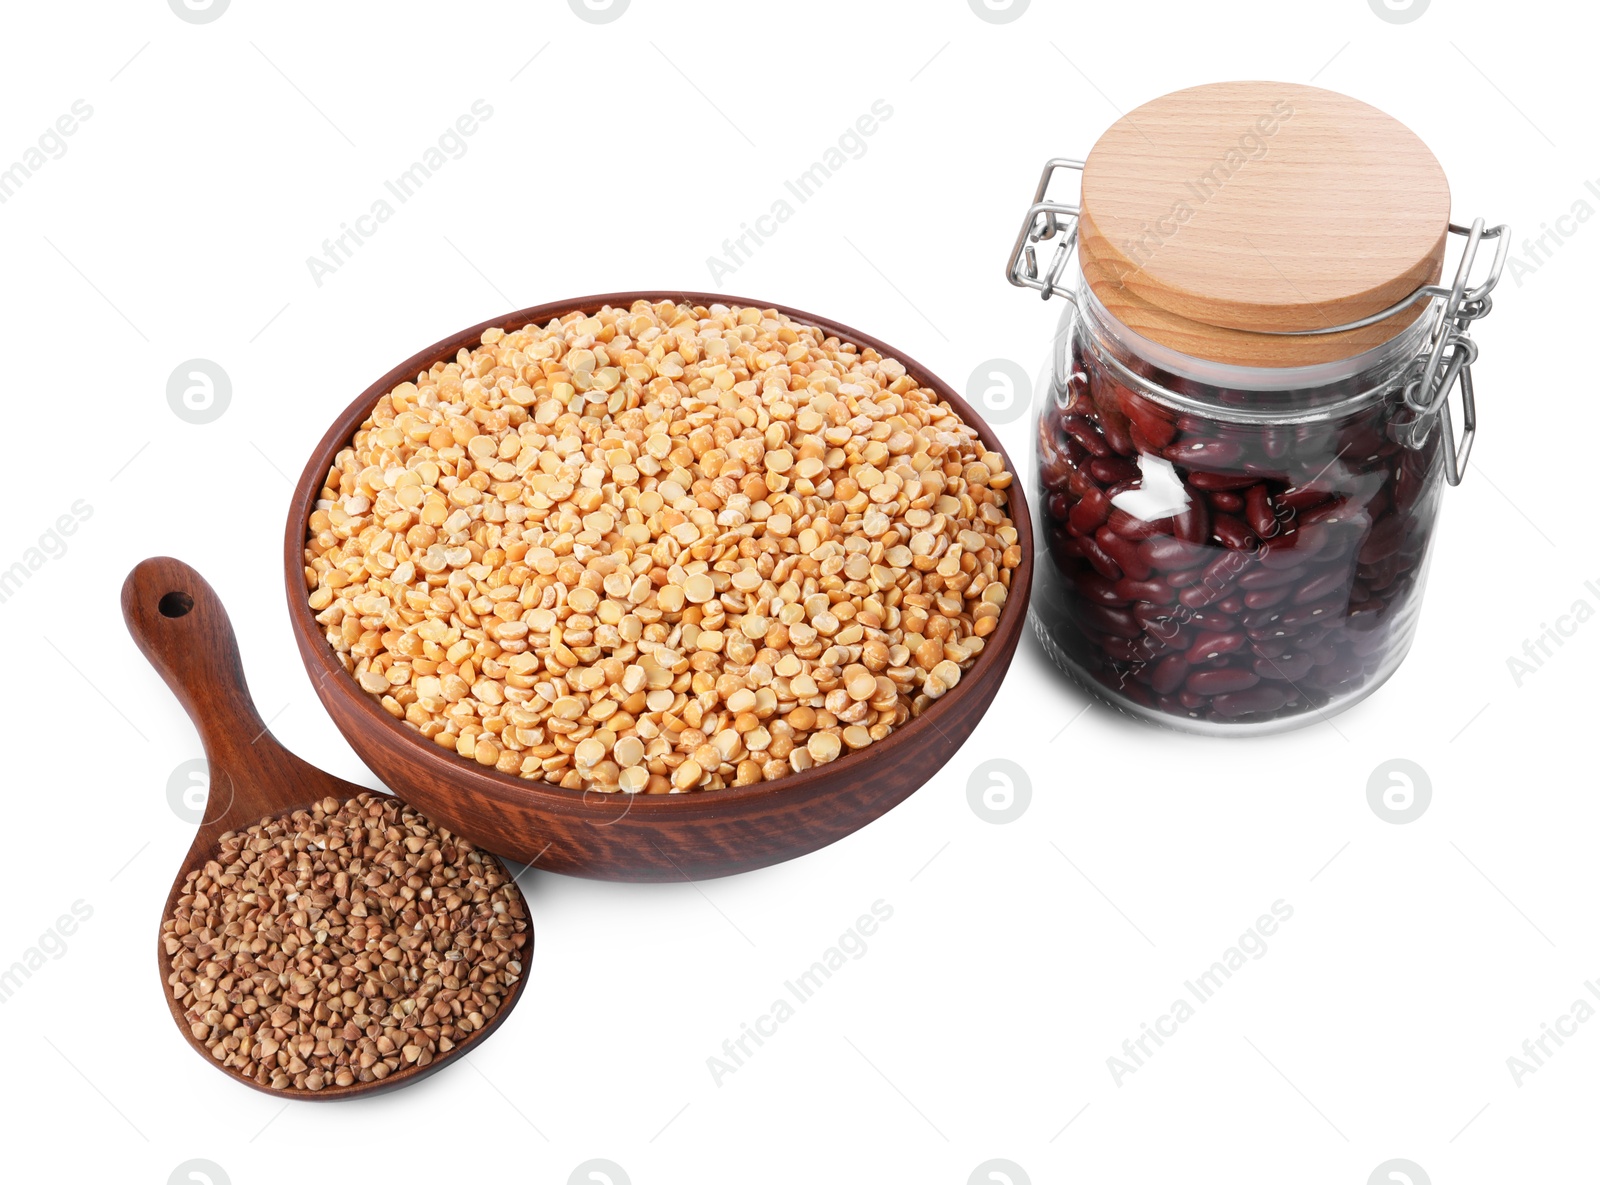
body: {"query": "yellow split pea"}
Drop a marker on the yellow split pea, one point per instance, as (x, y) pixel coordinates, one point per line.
(660, 549)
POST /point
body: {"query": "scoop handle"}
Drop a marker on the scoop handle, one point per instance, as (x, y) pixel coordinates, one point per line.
(177, 620)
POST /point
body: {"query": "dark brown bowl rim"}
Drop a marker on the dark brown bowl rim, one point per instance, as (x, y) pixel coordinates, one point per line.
(550, 795)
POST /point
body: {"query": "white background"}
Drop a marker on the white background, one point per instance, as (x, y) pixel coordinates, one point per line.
(1019, 956)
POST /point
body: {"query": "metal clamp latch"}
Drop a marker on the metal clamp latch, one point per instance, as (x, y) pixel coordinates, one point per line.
(1448, 357)
(1045, 220)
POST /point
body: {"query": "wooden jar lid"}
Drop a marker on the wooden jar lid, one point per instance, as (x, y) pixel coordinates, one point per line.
(1217, 212)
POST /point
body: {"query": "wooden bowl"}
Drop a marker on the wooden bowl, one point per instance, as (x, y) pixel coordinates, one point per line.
(644, 837)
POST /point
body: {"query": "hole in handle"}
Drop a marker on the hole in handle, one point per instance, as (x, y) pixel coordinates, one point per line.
(175, 604)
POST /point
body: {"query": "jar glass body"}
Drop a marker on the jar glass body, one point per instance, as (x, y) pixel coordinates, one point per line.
(1231, 550)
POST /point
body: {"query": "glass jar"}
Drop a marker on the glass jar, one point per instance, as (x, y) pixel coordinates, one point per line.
(1236, 549)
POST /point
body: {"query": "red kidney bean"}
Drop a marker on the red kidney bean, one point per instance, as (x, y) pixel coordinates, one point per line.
(1281, 535)
(1161, 642)
(1142, 696)
(1300, 498)
(1142, 442)
(1266, 598)
(1210, 619)
(1085, 433)
(1259, 512)
(1136, 529)
(1322, 512)
(1192, 700)
(1167, 554)
(1410, 479)
(1097, 557)
(1320, 586)
(1054, 473)
(1215, 583)
(1066, 560)
(1169, 674)
(1368, 642)
(1416, 543)
(1250, 703)
(1090, 511)
(1185, 578)
(1288, 667)
(1361, 443)
(1377, 503)
(1231, 532)
(1069, 546)
(1288, 550)
(1338, 515)
(1110, 470)
(1213, 645)
(1380, 575)
(1231, 605)
(1120, 622)
(1259, 577)
(1198, 595)
(1103, 397)
(1312, 635)
(1193, 523)
(1144, 420)
(1226, 566)
(1225, 501)
(1365, 618)
(1115, 429)
(1303, 615)
(1125, 649)
(1385, 539)
(1322, 654)
(1276, 442)
(1258, 619)
(1155, 591)
(1096, 588)
(1124, 551)
(1219, 453)
(1220, 481)
(1337, 673)
(1333, 632)
(1158, 617)
(1221, 682)
(1164, 639)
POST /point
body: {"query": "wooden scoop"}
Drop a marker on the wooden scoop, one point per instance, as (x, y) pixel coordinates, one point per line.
(179, 623)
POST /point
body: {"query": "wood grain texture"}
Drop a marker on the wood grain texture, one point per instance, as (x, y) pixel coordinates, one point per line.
(179, 623)
(645, 837)
(1250, 206)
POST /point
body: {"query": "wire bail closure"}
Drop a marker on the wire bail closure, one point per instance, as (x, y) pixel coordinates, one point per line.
(1444, 363)
(1045, 222)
